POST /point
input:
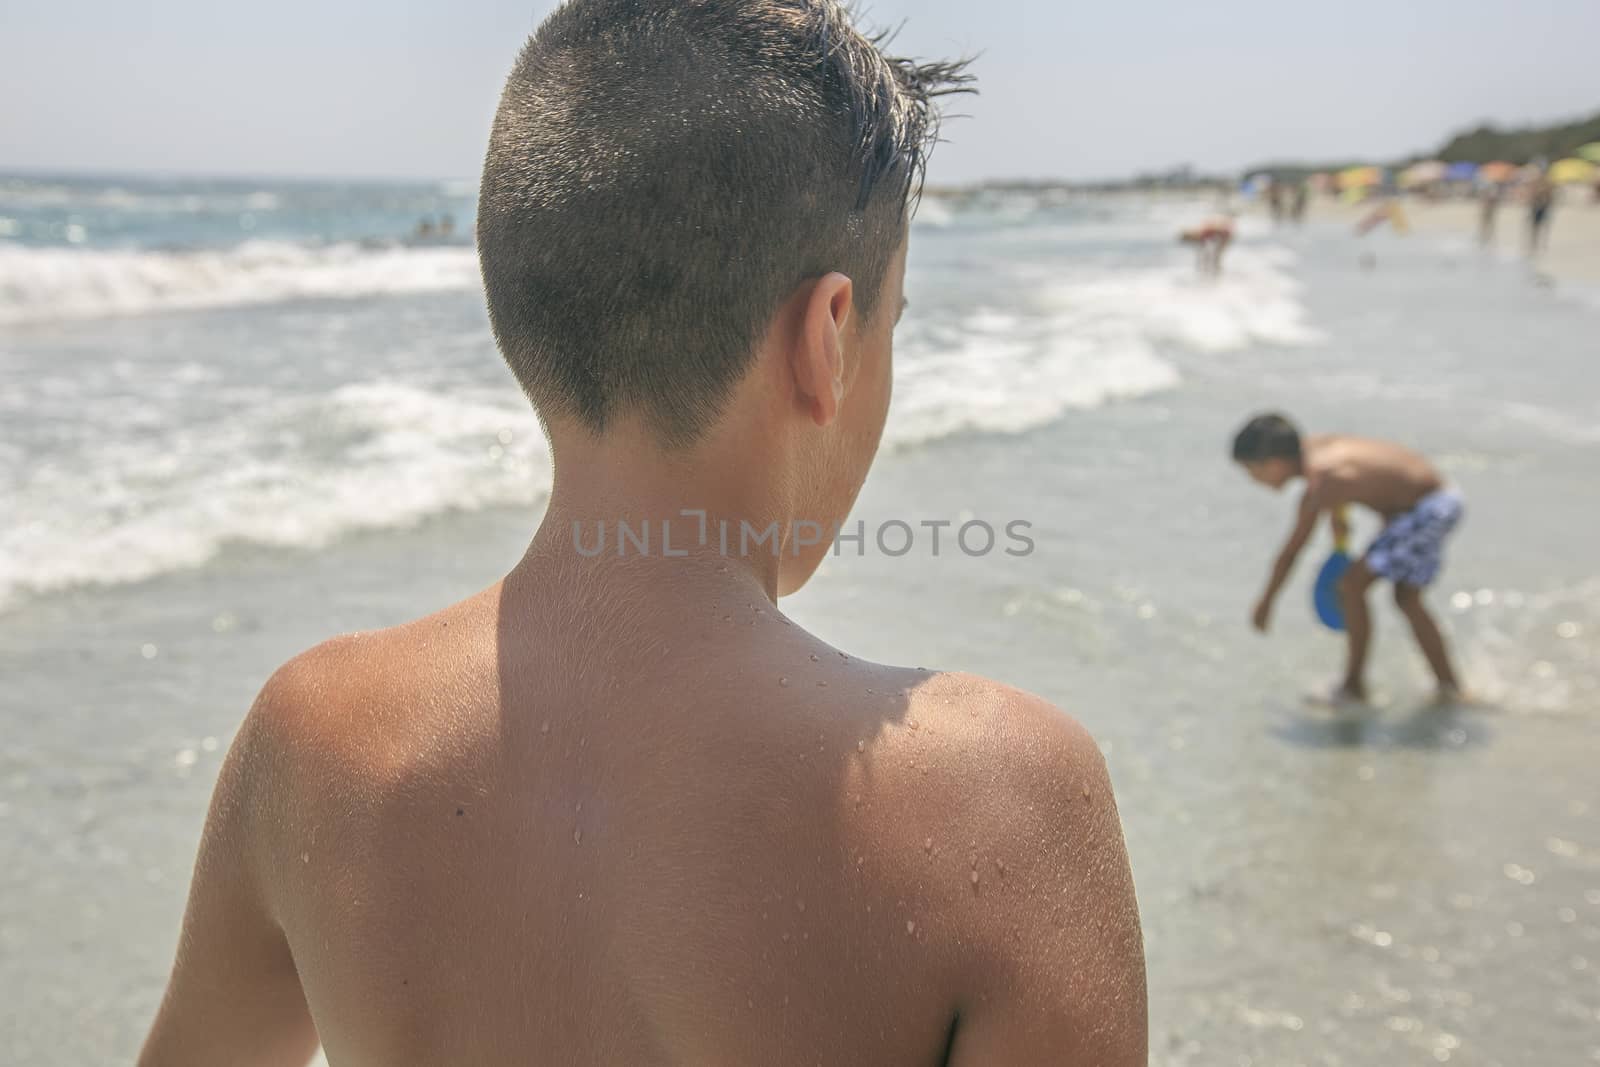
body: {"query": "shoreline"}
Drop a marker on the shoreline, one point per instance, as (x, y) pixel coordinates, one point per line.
(1572, 257)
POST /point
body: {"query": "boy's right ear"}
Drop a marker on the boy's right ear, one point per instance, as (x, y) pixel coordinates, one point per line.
(818, 359)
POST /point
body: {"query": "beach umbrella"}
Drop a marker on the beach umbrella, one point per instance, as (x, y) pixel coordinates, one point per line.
(1572, 171)
(1590, 151)
(1359, 178)
(1422, 174)
(1461, 172)
(1497, 172)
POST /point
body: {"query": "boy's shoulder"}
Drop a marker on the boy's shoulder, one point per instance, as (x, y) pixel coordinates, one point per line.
(348, 705)
(979, 765)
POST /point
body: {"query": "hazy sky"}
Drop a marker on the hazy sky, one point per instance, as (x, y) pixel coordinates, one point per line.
(406, 88)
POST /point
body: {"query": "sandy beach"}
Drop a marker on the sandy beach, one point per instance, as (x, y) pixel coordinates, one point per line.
(1573, 255)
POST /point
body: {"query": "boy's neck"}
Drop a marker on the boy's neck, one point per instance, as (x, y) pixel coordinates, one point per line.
(624, 508)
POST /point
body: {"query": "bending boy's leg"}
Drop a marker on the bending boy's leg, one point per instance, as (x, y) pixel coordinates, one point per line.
(1357, 623)
(1429, 638)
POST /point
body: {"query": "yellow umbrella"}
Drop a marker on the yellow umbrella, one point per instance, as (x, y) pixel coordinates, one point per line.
(1590, 151)
(1572, 171)
(1359, 178)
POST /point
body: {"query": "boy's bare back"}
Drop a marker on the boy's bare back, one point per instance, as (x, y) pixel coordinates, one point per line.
(488, 838)
(1386, 477)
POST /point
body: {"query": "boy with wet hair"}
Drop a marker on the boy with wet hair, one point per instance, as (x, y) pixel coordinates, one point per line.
(623, 811)
(1419, 513)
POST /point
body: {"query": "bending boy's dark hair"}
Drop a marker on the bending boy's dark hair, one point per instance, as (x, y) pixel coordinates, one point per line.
(661, 176)
(1267, 437)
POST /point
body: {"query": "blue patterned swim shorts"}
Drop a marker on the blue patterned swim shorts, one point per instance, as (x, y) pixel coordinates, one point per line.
(1410, 549)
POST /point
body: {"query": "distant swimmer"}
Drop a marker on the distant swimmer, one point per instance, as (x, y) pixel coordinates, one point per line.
(1419, 512)
(1541, 199)
(1275, 200)
(1211, 240)
(425, 229)
(1388, 211)
(1298, 202)
(1488, 209)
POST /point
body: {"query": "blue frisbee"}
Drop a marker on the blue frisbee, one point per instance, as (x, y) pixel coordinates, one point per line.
(1325, 597)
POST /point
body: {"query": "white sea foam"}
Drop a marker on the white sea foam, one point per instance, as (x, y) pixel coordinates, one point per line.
(42, 284)
(1087, 342)
(296, 472)
(148, 488)
(115, 198)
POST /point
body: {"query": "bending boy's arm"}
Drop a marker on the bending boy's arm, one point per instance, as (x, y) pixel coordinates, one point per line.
(1058, 949)
(234, 996)
(1305, 524)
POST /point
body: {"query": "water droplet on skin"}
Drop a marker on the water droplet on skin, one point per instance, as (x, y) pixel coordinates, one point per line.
(1000, 865)
(861, 746)
(800, 905)
(869, 693)
(913, 724)
(785, 937)
(927, 846)
(783, 683)
(974, 876)
(911, 928)
(727, 618)
(814, 658)
(577, 837)
(822, 685)
(305, 857)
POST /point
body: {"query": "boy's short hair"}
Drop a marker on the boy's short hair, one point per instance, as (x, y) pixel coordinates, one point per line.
(662, 174)
(1267, 437)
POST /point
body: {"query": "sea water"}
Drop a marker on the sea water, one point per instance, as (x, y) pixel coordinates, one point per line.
(239, 417)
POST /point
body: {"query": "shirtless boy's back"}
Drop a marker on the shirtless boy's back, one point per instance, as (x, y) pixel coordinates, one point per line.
(618, 809)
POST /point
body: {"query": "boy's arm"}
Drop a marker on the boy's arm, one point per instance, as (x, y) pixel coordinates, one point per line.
(234, 996)
(1305, 523)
